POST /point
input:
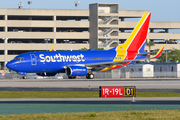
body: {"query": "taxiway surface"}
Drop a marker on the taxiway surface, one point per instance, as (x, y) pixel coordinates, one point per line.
(140, 84)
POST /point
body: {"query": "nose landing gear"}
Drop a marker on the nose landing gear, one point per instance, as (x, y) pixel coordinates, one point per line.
(24, 77)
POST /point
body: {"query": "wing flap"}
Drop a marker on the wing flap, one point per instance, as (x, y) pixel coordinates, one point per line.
(106, 65)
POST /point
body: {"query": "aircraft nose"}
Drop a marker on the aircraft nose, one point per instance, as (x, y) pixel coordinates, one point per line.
(10, 65)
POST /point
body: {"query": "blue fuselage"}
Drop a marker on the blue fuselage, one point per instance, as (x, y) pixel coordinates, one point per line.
(55, 61)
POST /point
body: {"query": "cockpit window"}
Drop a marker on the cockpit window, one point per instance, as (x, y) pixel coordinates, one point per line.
(18, 59)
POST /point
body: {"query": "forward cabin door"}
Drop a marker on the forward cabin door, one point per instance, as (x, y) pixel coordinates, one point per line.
(33, 59)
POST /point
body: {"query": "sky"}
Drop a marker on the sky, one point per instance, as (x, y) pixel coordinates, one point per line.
(162, 10)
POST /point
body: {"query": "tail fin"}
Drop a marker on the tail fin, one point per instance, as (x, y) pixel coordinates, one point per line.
(137, 39)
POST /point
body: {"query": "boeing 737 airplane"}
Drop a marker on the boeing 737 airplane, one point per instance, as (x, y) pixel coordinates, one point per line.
(83, 63)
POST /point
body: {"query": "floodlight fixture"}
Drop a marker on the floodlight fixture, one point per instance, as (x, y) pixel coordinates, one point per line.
(76, 4)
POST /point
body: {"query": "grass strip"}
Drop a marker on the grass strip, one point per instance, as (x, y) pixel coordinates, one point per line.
(117, 115)
(74, 94)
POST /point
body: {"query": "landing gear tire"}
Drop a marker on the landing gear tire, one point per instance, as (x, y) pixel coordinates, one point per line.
(24, 77)
(72, 77)
(90, 76)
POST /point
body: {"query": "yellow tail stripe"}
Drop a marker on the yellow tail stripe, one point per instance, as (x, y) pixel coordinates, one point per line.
(128, 41)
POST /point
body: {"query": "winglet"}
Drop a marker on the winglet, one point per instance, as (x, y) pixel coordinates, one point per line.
(159, 52)
(51, 48)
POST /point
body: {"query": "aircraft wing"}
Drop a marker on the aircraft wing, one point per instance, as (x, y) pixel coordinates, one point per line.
(159, 52)
(120, 63)
(109, 64)
(148, 53)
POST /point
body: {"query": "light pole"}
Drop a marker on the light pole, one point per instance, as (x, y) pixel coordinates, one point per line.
(66, 43)
(4, 52)
(106, 40)
(47, 40)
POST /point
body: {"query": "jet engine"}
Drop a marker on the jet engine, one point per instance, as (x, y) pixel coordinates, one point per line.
(76, 71)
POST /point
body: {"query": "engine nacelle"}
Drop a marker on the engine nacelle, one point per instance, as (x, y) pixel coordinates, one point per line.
(47, 74)
(76, 71)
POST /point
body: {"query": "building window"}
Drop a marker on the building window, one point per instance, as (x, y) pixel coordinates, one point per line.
(131, 70)
(171, 69)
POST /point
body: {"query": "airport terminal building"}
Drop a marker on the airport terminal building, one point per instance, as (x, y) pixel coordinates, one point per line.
(102, 26)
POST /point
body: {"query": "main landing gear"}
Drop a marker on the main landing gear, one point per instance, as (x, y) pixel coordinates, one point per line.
(24, 77)
(90, 76)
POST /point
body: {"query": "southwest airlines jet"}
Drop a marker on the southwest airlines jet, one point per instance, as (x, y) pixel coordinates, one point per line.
(83, 63)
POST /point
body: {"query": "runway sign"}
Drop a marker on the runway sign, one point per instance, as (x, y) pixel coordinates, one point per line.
(117, 91)
(129, 91)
